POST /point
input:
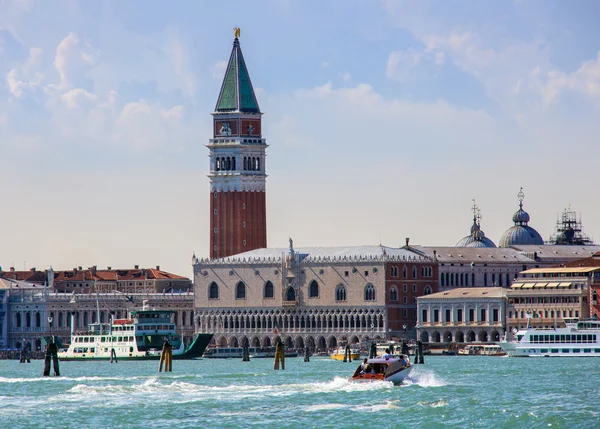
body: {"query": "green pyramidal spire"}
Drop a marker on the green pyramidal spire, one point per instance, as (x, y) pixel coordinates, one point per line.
(237, 94)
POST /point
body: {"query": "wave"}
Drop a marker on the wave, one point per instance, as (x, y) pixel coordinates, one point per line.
(423, 377)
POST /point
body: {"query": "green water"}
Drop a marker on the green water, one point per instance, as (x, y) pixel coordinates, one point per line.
(482, 392)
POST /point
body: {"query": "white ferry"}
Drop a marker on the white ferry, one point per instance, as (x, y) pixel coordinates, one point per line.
(576, 339)
(140, 337)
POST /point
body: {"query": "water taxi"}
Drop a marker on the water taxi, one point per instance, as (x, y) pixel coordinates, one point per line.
(393, 369)
(339, 353)
(140, 337)
(580, 338)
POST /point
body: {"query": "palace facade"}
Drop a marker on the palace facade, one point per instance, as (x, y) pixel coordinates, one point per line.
(311, 296)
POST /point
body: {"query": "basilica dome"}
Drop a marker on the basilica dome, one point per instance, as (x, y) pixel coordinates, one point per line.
(477, 237)
(520, 233)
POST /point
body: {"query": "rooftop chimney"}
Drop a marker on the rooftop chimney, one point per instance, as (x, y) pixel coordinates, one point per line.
(158, 267)
(33, 269)
(12, 269)
(407, 240)
(137, 267)
(79, 268)
(109, 268)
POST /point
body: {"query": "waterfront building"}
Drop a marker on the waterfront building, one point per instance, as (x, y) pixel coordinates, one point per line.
(237, 151)
(594, 278)
(75, 298)
(520, 233)
(545, 297)
(316, 296)
(463, 315)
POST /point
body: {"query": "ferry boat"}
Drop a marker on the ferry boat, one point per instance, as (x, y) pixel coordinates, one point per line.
(238, 352)
(576, 339)
(140, 337)
(393, 369)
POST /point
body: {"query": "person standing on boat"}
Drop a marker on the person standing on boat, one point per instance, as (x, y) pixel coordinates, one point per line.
(363, 366)
(387, 355)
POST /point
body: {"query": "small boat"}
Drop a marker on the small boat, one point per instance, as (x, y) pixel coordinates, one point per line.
(394, 369)
(339, 354)
(481, 350)
(140, 337)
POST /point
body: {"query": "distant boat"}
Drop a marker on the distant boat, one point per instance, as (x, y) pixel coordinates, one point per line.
(139, 338)
(340, 352)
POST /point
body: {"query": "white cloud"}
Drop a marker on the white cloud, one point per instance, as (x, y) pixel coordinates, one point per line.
(401, 64)
(26, 77)
(345, 76)
(75, 98)
(585, 80)
(73, 58)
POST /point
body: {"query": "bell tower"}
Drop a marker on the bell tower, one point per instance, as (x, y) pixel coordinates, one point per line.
(238, 221)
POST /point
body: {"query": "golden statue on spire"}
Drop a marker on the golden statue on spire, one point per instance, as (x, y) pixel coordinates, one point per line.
(236, 32)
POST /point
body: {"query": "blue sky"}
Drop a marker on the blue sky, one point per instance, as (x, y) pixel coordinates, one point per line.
(384, 119)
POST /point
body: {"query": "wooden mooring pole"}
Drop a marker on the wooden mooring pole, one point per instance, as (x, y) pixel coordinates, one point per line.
(279, 356)
(166, 357)
(51, 358)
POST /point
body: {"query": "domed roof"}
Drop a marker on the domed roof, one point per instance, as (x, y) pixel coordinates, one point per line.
(477, 237)
(521, 216)
(520, 233)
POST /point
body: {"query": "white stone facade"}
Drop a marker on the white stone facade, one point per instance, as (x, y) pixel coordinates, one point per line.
(321, 296)
(463, 315)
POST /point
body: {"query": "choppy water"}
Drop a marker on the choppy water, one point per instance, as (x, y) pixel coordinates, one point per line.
(481, 392)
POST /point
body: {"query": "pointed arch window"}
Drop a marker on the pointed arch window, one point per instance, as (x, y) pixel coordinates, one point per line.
(268, 290)
(340, 293)
(233, 163)
(290, 294)
(313, 289)
(213, 291)
(258, 164)
(404, 272)
(394, 271)
(393, 293)
(240, 291)
(427, 290)
(369, 292)
(414, 272)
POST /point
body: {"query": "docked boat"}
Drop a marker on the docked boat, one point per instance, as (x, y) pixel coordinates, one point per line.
(393, 369)
(576, 339)
(481, 350)
(340, 352)
(140, 337)
(238, 352)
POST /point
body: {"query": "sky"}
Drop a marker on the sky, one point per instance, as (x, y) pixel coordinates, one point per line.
(384, 120)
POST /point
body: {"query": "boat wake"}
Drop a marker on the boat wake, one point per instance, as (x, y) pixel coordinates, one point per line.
(423, 377)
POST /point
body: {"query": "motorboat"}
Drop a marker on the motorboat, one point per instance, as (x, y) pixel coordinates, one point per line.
(340, 352)
(394, 369)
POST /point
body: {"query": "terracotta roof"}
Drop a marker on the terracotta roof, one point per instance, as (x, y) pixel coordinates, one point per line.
(114, 275)
(31, 276)
(593, 261)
